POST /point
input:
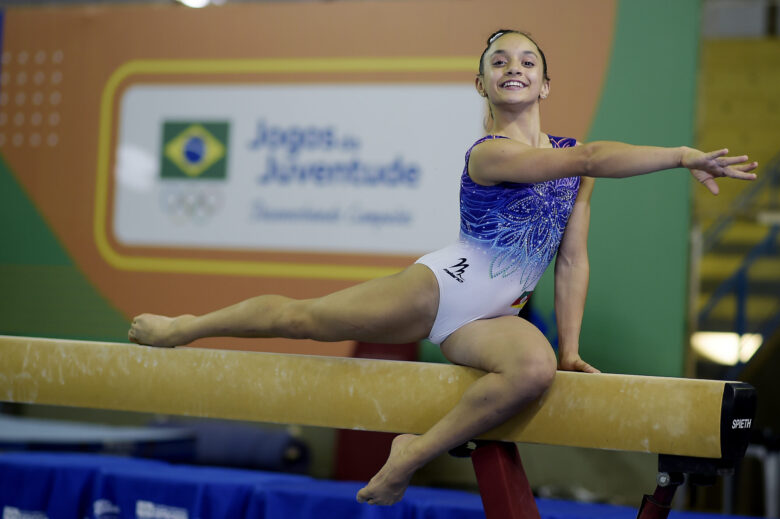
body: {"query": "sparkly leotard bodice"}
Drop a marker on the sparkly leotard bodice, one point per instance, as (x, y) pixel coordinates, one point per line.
(518, 225)
(509, 233)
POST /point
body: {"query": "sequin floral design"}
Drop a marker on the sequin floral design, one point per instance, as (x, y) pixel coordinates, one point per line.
(519, 225)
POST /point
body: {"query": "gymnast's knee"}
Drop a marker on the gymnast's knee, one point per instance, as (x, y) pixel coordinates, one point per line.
(544, 374)
(533, 373)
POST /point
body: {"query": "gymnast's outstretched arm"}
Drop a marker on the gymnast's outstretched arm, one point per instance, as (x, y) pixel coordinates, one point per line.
(506, 160)
(572, 271)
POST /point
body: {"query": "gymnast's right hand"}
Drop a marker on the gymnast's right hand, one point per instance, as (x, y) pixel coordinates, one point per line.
(706, 167)
(157, 330)
(573, 362)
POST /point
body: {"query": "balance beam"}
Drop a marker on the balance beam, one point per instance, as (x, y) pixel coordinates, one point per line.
(670, 416)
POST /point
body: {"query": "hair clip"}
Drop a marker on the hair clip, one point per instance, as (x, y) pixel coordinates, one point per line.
(495, 36)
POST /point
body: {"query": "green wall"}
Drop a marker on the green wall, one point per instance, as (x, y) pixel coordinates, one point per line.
(43, 293)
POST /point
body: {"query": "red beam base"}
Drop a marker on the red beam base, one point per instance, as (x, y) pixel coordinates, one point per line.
(659, 504)
(503, 484)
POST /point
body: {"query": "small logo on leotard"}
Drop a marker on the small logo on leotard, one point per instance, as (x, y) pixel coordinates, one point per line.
(459, 268)
(522, 300)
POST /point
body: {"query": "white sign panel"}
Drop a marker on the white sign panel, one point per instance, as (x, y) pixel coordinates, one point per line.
(317, 167)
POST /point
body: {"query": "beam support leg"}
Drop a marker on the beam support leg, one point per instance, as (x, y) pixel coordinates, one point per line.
(659, 504)
(503, 485)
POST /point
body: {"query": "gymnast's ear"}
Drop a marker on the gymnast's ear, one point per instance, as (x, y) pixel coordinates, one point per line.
(480, 85)
(545, 90)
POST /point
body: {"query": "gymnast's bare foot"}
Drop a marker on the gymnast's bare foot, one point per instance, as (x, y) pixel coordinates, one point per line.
(159, 331)
(387, 487)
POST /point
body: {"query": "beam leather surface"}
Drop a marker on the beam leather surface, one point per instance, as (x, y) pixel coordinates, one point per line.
(620, 412)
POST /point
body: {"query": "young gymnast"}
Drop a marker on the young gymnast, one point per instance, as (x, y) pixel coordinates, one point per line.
(525, 196)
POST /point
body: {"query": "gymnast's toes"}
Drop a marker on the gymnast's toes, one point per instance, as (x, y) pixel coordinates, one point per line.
(367, 497)
(374, 494)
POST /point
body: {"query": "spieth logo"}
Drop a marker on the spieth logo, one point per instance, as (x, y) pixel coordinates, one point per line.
(457, 270)
(741, 423)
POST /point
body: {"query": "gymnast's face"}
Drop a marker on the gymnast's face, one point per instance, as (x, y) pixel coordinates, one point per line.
(512, 72)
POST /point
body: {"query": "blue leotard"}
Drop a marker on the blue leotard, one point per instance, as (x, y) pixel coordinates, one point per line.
(509, 234)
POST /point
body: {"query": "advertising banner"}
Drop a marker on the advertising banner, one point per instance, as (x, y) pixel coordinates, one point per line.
(314, 167)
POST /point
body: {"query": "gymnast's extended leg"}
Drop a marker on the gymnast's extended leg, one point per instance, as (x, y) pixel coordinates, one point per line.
(520, 366)
(395, 309)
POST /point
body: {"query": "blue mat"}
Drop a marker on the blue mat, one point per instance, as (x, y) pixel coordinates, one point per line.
(90, 486)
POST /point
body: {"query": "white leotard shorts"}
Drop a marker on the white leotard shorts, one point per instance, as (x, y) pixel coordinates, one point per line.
(467, 292)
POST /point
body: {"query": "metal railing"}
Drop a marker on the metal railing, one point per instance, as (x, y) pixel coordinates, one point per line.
(738, 282)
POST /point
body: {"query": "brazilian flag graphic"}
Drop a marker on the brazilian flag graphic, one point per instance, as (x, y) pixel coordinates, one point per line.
(194, 150)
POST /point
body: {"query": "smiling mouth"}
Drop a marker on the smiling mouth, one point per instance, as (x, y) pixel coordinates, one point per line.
(513, 83)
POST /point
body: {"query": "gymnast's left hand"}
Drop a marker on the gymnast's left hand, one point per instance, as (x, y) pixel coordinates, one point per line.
(706, 167)
(575, 363)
